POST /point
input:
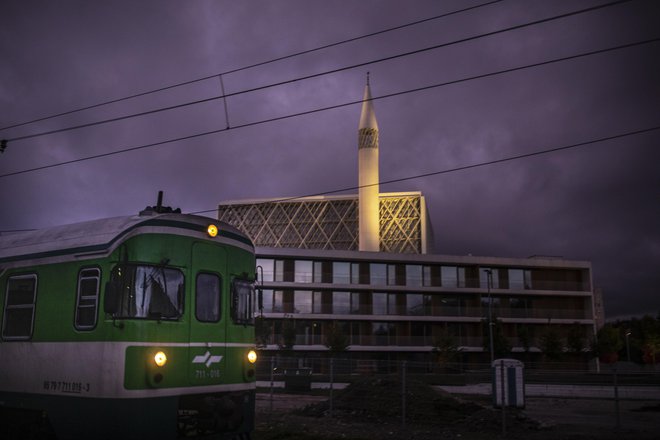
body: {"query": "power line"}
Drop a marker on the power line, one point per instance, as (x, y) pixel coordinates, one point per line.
(316, 75)
(448, 170)
(308, 112)
(465, 167)
(251, 66)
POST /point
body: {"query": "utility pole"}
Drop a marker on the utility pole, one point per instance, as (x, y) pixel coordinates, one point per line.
(489, 280)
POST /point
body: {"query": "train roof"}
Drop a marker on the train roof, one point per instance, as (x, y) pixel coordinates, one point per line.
(99, 236)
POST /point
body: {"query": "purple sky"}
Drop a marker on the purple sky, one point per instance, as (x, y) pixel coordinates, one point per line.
(599, 202)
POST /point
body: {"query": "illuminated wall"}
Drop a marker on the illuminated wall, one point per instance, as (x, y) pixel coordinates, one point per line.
(331, 222)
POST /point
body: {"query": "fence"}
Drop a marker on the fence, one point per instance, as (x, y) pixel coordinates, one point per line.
(325, 376)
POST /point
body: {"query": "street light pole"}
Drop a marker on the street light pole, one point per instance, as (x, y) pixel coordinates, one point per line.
(489, 275)
(628, 332)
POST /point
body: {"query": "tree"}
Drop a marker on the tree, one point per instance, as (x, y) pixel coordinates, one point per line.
(551, 344)
(650, 337)
(445, 347)
(335, 338)
(525, 337)
(607, 344)
(652, 349)
(575, 338)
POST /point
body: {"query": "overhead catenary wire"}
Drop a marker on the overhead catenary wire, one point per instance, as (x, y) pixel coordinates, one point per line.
(316, 75)
(308, 112)
(258, 64)
(449, 170)
(464, 167)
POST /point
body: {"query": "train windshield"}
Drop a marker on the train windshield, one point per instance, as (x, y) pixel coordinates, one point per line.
(153, 292)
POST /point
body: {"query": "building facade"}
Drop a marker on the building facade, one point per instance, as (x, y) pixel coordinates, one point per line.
(395, 306)
(331, 223)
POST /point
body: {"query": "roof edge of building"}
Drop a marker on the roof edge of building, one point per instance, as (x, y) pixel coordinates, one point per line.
(321, 254)
(313, 198)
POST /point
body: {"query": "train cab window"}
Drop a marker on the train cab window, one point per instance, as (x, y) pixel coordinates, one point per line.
(242, 302)
(18, 319)
(87, 303)
(207, 297)
(141, 291)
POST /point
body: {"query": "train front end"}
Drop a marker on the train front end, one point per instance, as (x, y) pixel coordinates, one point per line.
(183, 304)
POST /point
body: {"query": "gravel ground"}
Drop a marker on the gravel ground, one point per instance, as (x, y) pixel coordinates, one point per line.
(372, 410)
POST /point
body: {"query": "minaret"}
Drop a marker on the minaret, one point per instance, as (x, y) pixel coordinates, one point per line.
(369, 208)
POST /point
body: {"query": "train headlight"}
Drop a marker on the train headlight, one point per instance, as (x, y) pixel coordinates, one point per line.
(212, 230)
(160, 359)
(252, 356)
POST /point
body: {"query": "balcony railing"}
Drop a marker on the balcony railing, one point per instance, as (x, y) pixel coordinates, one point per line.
(449, 311)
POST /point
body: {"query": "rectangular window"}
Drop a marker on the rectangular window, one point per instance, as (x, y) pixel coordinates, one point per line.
(317, 336)
(516, 279)
(302, 301)
(379, 303)
(355, 273)
(318, 302)
(449, 278)
(278, 273)
(318, 272)
(449, 305)
(415, 304)
(391, 275)
(356, 335)
(384, 333)
(420, 334)
(278, 301)
(87, 300)
(413, 275)
(378, 274)
(267, 298)
(303, 272)
(267, 269)
(393, 304)
(242, 306)
(428, 305)
(355, 303)
(20, 300)
(427, 276)
(207, 297)
(341, 272)
(527, 275)
(341, 303)
(461, 277)
(520, 307)
(494, 278)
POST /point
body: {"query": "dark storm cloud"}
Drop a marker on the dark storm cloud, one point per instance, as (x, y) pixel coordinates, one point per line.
(599, 203)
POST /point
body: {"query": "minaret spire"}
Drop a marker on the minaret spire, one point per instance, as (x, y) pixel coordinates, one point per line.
(369, 204)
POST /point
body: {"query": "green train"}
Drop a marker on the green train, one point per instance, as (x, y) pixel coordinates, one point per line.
(128, 327)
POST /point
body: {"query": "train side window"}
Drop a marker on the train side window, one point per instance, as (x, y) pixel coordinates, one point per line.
(242, 302)
(20, 298)
(208, 296)
(88, 298)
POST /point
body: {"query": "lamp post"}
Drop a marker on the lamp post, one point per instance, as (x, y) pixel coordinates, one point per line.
(489, 275)
(628, 333)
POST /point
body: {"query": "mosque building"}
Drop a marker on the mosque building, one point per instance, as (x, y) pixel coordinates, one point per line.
(364, 263)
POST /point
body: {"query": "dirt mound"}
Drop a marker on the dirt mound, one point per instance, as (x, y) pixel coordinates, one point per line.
(381, 399)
